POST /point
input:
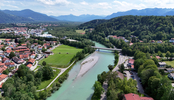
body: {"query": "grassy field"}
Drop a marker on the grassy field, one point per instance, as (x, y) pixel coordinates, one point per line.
(62, 56)
(44, 84)
(170, 63)
(2, 38)
(80, 31)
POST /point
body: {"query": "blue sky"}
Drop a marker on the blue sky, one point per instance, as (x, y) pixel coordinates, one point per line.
(78, 7)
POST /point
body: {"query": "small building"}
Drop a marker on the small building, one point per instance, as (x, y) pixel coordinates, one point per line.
(31, 61)
(159, 41)
(171, 40)
(10, 64)
(29, 65)
(3, 78)
(152, 41)
(130, 62)
(132, 96)
(120, 75)
(171, 76)
(162, 64)
(17, 60)
(169, 70)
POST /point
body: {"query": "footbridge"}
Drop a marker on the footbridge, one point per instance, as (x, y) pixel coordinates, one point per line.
(113, 49)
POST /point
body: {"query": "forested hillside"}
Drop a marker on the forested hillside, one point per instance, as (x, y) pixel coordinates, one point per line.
(144, 27)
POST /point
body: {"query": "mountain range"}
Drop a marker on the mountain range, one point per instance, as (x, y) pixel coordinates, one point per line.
(27, 15)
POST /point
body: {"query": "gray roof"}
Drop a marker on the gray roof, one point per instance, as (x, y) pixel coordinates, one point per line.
(162, 63)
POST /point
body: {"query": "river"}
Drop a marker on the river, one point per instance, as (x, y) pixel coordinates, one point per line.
(82, 88)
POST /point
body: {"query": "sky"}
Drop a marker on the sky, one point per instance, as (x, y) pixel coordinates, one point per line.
(79, 7)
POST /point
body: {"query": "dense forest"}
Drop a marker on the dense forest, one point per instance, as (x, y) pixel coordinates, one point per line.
(144, 27)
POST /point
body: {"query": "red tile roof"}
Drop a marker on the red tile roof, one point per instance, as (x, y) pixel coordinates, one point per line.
(3, 68)
(4, 59)
(23, 56)
(131, 61)
(132, 96)
(3, 76)
(9, 63)
(31, 60)
(29, 65)
(8, 51)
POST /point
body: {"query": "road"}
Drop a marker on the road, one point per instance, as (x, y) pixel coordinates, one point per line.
(33, 67)
(62, 71)
(140, 87)
(103, 96)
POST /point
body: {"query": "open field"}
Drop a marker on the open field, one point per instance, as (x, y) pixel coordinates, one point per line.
(2, 38)
(44, 84)
(170, 63)
(80, 31)
(62, 56)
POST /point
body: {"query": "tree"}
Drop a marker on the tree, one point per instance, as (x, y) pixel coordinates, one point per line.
(121, 68)
(47, 72)
(43, 49)
(171, 56)
(98, 89)
(3, 49)
(168, 54)
(155, 60)
(110, 67)
(12, 54)
(138, 63)
(6, 72)
(44, 63)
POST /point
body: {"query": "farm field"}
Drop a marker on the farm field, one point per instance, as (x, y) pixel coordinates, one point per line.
(62, 56)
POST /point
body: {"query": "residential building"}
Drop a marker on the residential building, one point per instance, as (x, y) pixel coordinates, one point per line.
(10, 64)
(5, 60)
(29, 65)
(169, 70)
(171, 76)
(21, 49)
(159, 41)
(3, 78)
(31, 61)
(7, 52)
(24, 56)
(120, 75)
(2, 67)
(152, 41)
(130, 62)
(32, 56)
(132, 96)
(162, 64)
(171, 40)
(17, 60)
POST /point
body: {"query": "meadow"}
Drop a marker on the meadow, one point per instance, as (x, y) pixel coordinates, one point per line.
(62, 56)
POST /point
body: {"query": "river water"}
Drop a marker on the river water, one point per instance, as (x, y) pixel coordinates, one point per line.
(82, 88)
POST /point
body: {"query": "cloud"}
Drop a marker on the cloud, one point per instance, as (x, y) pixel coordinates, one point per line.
(104, 5)
(55, 2)
(84, 3)
(124, 6)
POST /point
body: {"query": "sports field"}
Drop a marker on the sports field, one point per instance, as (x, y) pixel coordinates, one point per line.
(62, 56)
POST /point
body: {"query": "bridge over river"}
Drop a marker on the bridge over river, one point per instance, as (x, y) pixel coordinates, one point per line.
(113, 49)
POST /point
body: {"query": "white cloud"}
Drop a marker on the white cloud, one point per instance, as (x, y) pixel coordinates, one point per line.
(124, 6)
(84, 3)
(54, 2)
(104, 5)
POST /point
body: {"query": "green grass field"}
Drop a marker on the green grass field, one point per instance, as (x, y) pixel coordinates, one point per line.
(2, 38)
(44, 84)
(170, 63)
(61, 60)
(80, 31)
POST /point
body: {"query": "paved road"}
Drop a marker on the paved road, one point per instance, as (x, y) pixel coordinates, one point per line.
(62, 71)
(140, 88)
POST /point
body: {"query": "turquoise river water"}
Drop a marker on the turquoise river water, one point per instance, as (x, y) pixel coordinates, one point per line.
(82, 88)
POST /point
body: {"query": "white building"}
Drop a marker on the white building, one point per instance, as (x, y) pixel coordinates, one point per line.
(3, 78)
(171, 75)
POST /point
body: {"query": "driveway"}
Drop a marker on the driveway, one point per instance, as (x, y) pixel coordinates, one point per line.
(33, 67)
(140, 87)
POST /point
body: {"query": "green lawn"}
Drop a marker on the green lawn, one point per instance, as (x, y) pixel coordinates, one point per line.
(44, 84)
(37, 67)
(170, 63)
(80, 31)
(62, 59)
(2, 38)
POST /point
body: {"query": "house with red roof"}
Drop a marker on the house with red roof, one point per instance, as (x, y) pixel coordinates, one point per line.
(10, 64)
(24, 56)
(32, 56)
(5, 60)
(17, 60)
(2, 67)
(24, 44)
(132, 96)
(31, 61)
(7, 52)
(29, 65)
(3, 78)
(1, 46)
(130, 62)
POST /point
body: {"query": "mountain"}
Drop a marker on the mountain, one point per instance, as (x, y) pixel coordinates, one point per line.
(7, 18)
(143, 12)
(81, 18)
(27, 13)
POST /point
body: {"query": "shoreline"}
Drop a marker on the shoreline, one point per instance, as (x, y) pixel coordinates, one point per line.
(87, 64)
